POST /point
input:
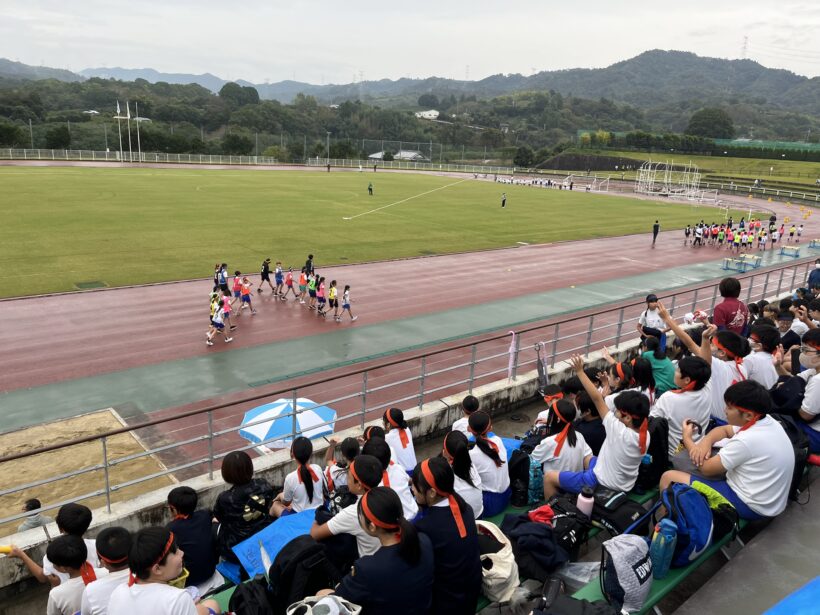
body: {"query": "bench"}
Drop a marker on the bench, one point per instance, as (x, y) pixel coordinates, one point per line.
(735, 264)
(793, 251)
(814, 244)
(752, 260)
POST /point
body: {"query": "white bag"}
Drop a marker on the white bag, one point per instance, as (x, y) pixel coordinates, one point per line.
(323, 605)
(499, 582)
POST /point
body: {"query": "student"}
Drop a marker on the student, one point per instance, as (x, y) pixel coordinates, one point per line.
(346, 305)
(754, 468)
(617, 379)
(449, 524)
(246, 295)
(320, 296)
(810, 408)
(289, 285)
(564, 449)
(398, 578)
(375, 431)
(303, 489)
(302, 285)
(489, 456)
(692, 400)
(333, 299)
(237, 288)
(265, 277)
(393, 475)
(194, 535)
(280, 280)
(468, 405)
(336, 471)
(312, 281)
(650, 323)
(226, 310)
(764, 341)
(309, 265)
(467, 482)
(68, 555)
(663, 371)
(643, 379)
(363, 474)
(36, 519)
(113, 545)
(243, 509)
(154, 560)
(399, 437)
(627, 440)
(223, 276)
(72, 519)
(731, 314)
(218, 322)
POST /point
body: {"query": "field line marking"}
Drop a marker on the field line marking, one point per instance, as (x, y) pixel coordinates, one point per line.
(410, 198)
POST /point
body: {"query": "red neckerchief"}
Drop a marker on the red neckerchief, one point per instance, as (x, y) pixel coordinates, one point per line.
(428, 476)
(87, 573)
(310, 471)
(402, 432)
(737, 360)
(757, 416)
(561, 437)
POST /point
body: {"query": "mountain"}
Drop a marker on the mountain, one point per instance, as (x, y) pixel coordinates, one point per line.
(17, 70)
(206, 80)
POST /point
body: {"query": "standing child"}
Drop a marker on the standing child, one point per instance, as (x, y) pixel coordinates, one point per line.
(246, 295)
(303, 489)
(237, 288)
(333, 299)
(792, 230)
(302, 285)
(280, 280)
(799, 232)
(226, 309)
(289, 285)
(399, 437)
(265, 275)
(312, 279)
(218, 321)
(686, 233)
(346, 304)
(320, 296)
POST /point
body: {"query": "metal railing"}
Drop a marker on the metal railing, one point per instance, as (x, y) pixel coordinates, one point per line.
(189, 443)
(733, 188)
(131, 157)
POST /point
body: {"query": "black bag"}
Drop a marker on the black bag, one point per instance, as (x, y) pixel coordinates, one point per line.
(800, 444)
(554, 602)
(615, 512)
(299, 570)
(649, 474)
(787, 395)
(252, 598)
(340, 498)
(569, 525)
(534, 547)
(518, 467)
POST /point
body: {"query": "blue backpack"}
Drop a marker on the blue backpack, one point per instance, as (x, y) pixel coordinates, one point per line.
(690, 511)
(535, 492)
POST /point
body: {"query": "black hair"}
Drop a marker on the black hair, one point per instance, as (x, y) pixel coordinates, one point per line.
(379, 449)
(749, 395)
(797, 303)
(373, 431)
(635, 404)
(763, 321)
(385, 505)
(369, 470)
(572, 385)
(184, 499)
(737, 345)
(767, 336)
(642, 374)
(552, 389)
(814, 305)
(762, 304)
(754, 309)
(302, 449)
(237, 468)
(696, 369)
(32, 504)
(479, 424)
(729, 287)
(585, 403)
(812, 336)
(443, 475)
(653, 345)
(397, 417)
(627, 374)
(67, 550)
(73, 519)
(469, 404)
(556, 425)
(458, 448)
(113, 545)
(147, 547)
(350, 449)
(785, 303)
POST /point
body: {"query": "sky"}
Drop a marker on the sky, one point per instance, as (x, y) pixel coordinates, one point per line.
(341, 42)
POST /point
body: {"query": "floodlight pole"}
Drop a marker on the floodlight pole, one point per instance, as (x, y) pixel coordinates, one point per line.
(119, 129)
(105, 132)
(128, 120)
(137, 119)
(328, 147)
(31, 133)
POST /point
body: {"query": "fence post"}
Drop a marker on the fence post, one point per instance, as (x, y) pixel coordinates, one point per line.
(766, 284)
(364, 398)
(105, 471)
(695, 300)
(794, 277)
(780, 281)
(210, 445)
(589, 334)
(421, 382)
(554, 344)
(472, 368)
(294, 425)
(674, 301)
(620, 326)
(714, 298)
(749, 292)
(515, 356)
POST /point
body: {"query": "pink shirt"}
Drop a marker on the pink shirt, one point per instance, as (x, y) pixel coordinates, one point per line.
(321, 290)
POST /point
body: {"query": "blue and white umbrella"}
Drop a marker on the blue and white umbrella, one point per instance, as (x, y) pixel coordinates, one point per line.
(274, 422)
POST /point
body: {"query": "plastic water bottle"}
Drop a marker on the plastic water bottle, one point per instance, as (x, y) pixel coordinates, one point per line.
(585, 501)
(663, 547)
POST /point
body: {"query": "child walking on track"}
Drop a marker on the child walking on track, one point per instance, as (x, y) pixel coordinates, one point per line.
(280, 281)
(265, 275)
(218, 323)
(346, 305)
(246, 294)
(320, 296)
(289, 285)
(333, 299)
(302, 285)
(311, 286)
(237, 287)
(226, 308)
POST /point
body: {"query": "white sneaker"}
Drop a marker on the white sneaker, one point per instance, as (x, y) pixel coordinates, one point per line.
(354, 318)
(228, 339)
(209, 342)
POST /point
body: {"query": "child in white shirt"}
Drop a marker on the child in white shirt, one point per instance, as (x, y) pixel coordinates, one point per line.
(303, 489)
(398, 436)
(489, 456)
(68, 555)
(564, 449)
(468, 405)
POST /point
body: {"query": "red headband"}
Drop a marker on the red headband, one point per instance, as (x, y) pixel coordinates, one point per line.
(374, 520)
(402, 432)
(132, 579)
(447, 450)
(356, 476)
(113, 562)
(755, 419)
(483, 433)
(428, 476)
(551, 398)
(561, 437)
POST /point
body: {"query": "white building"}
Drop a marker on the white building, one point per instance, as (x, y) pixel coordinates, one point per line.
(432, 114)
(403, 154)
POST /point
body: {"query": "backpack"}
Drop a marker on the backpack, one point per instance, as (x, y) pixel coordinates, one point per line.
(626, 572)
(616, 513)
(338, 499)
(690, 511)
(536, 482)
(569, 525)
(725, 518)
(251, 598)
(787, 395)
(554, 602)
(800, 444)
(324, 605)
(649, 474)
(299, 570)
(499, 571)
(518, 467)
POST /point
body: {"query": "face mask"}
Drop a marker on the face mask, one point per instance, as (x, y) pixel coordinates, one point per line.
(756, 346)
(807, 360)
(817, 265)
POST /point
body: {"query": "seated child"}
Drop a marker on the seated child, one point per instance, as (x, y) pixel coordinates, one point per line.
(193, 531)
(398, 436)
(303, 489)
(764, 341)
(113, 545)
(468, 405)
(68, 555)
(467, 481)
(489, 456)
(810, 409)
(563, 450)
(393, 475)
(590, 425)
(336, 471)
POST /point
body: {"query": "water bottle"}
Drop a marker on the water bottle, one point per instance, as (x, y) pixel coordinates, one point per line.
(663, 547)
(585, 501)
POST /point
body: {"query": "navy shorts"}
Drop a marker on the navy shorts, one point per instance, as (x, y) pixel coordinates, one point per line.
(237, 293)
(723, 488)
(246, 298)
(219, 326)
(321, 300)
(312, 293)
(574, 482)
(279, 280)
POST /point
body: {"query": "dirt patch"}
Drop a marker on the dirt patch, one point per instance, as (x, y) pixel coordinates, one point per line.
(45, 465)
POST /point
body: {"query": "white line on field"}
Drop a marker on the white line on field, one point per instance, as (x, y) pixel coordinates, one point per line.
(410, 198)
(522, 243)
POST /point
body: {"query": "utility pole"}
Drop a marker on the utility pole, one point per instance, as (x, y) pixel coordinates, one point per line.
(31, 133)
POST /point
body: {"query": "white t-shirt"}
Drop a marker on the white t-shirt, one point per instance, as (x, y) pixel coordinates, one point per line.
(471, 493)
(90, 544)
(811, 397)
(677, 407)
(335, 476)
(724, 374)
(760, 367)
(66, 598)
(154, 598)
(759, 464)
(462, 425)
(98, 593)
(493, 478)
(651, 318)
(610, 399)
(799, 327)
(400, 483)
(620, 455)
(347, 522)
(571, 458)
(406, 456)
(295, 492)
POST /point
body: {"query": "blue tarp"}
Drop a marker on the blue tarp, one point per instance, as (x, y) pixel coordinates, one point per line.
(273, 538)
(804, 601)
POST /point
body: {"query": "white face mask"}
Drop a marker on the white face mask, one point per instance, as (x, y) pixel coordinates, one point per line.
(756, 346)
(817, 265)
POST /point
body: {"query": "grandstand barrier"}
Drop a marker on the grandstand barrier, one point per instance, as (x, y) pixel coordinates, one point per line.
(491, 368)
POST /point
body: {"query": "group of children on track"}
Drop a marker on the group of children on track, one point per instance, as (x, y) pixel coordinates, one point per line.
(746, 236)
(313, 291)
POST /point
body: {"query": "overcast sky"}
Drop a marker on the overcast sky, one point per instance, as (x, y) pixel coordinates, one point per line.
(339, 42)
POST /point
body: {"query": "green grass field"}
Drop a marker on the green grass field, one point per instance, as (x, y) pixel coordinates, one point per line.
(64, 227)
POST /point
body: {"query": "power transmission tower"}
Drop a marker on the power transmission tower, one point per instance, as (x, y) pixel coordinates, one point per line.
(745, 47)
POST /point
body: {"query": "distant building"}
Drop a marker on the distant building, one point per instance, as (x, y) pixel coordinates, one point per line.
(403, 154)
(432, 114)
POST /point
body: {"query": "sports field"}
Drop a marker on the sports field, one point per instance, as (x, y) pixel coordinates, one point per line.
(69, 228)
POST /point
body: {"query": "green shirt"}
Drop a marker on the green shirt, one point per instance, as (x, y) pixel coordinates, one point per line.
(664, 372)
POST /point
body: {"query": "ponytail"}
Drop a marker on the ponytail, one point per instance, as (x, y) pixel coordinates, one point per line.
(560, 421)
(480, 425)
(436, 474)
(302, 449)
(642, 373)
(395, 418)
(653, 345)
(382, 508)
(455, 445)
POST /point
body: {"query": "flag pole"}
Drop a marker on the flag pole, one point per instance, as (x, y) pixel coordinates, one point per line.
(128, 121)
(119, 127)
(137, 119)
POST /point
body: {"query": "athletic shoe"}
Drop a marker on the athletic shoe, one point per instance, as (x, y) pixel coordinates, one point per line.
(354, 318)
(233, 327)
(209, 342)
(258, 291)
(253, 312)
(302, 301)
(228, 340)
